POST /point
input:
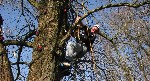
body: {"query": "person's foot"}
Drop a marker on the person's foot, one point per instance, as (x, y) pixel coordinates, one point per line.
(67, 72)
(66, 64)
(65, 68)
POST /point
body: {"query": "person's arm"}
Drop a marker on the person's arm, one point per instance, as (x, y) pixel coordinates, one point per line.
(80, 26)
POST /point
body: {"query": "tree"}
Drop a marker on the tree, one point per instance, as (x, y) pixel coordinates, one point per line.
(120, 42)
(6, 74)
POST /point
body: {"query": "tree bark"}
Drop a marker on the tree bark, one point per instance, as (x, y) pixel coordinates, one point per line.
(5, 67)
(44, 63)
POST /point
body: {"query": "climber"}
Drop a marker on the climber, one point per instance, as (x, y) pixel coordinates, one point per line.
(84, 39)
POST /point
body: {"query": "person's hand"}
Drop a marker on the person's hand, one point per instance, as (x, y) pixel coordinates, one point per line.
(77, 19)
(80, 24)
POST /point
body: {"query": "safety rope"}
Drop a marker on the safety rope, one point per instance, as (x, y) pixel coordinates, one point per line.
(78, 31)
(92, 53)
(91, 49)
(87, 29)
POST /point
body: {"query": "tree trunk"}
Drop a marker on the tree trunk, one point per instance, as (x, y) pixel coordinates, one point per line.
(5, 68)
(44, 63)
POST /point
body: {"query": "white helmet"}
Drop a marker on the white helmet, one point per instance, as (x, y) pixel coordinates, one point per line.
(97, 26)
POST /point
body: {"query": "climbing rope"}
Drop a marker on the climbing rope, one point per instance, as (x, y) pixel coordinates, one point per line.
(91, 49)
(87, 29)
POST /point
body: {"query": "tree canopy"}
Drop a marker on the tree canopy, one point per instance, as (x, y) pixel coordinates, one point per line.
(34, 34)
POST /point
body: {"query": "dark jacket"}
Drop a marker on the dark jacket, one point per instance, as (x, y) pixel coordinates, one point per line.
(85, 37)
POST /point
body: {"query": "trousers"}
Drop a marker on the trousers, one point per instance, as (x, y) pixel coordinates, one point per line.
(74, 50)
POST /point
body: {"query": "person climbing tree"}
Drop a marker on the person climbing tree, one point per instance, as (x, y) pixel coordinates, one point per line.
(84, 39)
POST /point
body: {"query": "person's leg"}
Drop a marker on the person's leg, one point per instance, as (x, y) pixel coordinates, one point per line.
(83, 52)
(69, 55)
(72, 50)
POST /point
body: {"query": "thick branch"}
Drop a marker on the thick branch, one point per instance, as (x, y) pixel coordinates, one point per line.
(20, 63)
(106, 37)
(30, 34)
(19, 43)
(18, 59)
(98, 9)
(112, 5)
(33, 2)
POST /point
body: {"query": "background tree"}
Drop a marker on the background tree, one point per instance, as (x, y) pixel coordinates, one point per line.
(120, 53)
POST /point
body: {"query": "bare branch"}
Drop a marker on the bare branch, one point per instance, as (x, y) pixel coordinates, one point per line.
(20, 63)
(21, 42)
(18, 59)
(110, 6)
(98, 9)
(16, 42)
